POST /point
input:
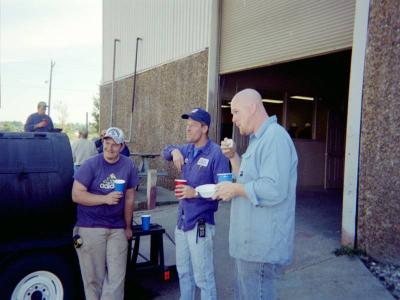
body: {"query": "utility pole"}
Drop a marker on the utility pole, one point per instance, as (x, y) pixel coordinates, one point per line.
(112, 84)
(52, 64)
(0, 91)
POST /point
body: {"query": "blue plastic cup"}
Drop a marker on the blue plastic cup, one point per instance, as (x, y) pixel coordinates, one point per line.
(225, 177)
(145, 222)
(119, 185)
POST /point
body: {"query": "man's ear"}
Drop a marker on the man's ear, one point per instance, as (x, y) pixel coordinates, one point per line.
(204, 128)
(122, 148)
(253, 108)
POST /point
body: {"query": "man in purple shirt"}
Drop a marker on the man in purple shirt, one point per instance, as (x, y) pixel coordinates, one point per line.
(39, 121)
(104, 218)
(199, 161)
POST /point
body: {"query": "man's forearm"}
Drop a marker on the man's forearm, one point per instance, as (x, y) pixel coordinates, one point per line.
(87, 199)
(129, 206)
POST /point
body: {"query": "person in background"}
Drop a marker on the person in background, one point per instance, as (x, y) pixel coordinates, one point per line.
(263, 199)
(199, 161)
(99, 142)
(82, 149)
(293, 130)
(306, 132)
(104, 218)
(99, 145)
(39, 121)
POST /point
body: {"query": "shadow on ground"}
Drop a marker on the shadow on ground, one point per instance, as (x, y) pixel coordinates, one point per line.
(145, 285)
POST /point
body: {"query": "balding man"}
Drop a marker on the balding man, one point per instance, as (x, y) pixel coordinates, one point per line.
(263, 198)
(39, 121)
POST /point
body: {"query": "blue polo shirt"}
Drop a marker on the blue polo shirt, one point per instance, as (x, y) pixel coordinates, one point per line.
(201, 167)
(34, 119)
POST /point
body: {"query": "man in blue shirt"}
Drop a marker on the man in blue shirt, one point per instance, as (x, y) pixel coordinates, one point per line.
(199, 161)
(39, 121)
(263, 198)
(99, 145)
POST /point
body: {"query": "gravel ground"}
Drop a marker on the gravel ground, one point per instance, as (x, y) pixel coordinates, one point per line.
(388, 274)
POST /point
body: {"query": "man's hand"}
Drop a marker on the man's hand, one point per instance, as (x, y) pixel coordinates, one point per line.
(41, 124)
(228, 148)
(225, 191)
(178, 159)
(184, 192)
(112, 198)
(128, 232)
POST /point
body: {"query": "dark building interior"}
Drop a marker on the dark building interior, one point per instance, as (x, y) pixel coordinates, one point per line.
(310, 98)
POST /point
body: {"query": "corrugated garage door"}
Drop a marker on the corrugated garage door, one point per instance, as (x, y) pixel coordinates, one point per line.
(262, 32)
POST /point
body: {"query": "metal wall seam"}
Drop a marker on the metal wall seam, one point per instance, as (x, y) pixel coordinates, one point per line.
(170, 30)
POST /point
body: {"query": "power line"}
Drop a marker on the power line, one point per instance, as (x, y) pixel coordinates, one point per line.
(41, 87)
(71, 61)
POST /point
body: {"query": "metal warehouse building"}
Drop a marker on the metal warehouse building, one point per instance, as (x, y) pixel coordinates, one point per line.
(329, 70)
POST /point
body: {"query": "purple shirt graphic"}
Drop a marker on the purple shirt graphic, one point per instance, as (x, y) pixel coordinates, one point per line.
(98, 176)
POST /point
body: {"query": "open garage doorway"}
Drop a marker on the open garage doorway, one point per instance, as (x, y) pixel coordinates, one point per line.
(309, 98)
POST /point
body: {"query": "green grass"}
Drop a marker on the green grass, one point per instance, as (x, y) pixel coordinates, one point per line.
(349, 251)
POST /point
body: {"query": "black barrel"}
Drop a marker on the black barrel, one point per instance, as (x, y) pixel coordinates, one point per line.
(36, 172)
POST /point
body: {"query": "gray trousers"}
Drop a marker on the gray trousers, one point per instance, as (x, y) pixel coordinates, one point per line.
(102, 259)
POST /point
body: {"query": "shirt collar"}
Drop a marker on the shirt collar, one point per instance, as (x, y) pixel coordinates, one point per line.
(260, 131)
(202, 149)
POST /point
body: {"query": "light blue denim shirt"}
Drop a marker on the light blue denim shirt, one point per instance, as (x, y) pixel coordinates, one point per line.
(262, 225)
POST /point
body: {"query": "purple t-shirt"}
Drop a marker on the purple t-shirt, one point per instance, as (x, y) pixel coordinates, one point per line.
(98, 176)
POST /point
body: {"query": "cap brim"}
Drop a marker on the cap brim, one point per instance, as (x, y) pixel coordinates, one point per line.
(110, 137)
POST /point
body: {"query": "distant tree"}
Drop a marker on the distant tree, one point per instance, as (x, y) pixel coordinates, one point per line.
(71, 129)
(96, 113)
(11, 126)
(62, 113)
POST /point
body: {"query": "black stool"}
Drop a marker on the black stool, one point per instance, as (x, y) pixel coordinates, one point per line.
(156, 261)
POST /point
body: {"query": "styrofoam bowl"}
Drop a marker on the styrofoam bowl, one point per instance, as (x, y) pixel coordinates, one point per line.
(206, 190)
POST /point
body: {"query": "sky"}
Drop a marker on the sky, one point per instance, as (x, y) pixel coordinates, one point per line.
(35, 32)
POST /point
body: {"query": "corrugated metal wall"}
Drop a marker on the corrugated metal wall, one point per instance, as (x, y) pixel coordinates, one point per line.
(258, 33)
(170, 29)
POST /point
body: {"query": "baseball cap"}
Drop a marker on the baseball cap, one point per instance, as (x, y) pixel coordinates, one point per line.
(42, 104)
(116, 134)
(198, 114)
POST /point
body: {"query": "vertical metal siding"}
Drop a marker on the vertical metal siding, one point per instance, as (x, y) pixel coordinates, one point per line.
(170, 29)
(257, 33)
